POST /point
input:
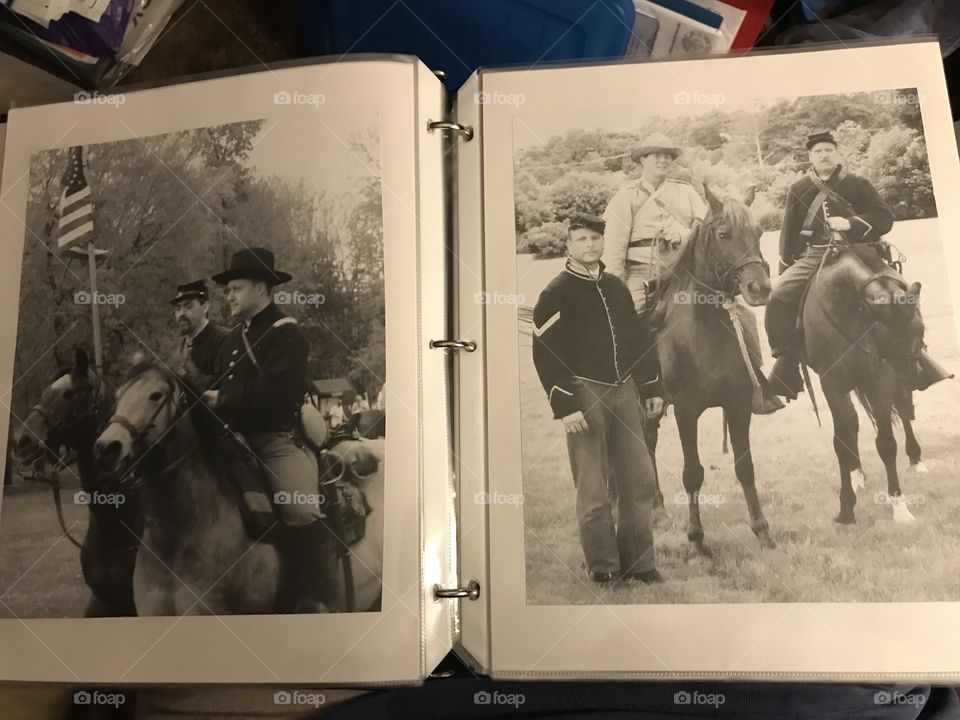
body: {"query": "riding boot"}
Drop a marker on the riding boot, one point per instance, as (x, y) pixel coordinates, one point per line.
(312, 553)
(785, 377)
(931, 371)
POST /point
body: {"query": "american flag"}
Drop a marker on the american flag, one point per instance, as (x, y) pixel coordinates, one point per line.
(76, 210)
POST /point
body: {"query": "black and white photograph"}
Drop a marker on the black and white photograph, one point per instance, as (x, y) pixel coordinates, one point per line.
(198, 412)
(737, 352)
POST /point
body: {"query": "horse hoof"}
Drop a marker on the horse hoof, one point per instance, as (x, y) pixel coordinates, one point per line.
(766, 541)
(858, 480)
(901, 513)
(845, 519)
(919, 468)
(703, 550)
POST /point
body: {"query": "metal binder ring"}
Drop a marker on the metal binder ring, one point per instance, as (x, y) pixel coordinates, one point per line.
(468, 345)
(464, 130)
(471, 591)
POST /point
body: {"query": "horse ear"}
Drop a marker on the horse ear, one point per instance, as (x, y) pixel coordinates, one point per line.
(137, 357)
(81, 362)
(715, 203)
(749, 195)
(914, 289)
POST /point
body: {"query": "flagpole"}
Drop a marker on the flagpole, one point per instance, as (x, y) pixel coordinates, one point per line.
(95, 307)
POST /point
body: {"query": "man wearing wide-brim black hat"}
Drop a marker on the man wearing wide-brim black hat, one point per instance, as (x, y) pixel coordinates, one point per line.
(264, 368)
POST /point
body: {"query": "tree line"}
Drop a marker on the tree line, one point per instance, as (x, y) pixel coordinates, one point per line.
(880, 136)
(173, 208)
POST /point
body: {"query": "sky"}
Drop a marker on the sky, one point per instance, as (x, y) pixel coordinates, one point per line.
(312, 145)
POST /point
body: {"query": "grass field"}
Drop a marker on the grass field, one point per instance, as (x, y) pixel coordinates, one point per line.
(816, 560)
(39, 568)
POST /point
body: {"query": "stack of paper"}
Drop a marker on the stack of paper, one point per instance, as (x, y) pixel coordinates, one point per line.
(46, 11)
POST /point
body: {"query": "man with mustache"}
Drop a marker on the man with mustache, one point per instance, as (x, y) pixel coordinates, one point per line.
(200, 339)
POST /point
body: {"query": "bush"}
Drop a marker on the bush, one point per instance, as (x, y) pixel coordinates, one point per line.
(546, 241)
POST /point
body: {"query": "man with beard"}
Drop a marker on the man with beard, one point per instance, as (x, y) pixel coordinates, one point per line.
(200, 339)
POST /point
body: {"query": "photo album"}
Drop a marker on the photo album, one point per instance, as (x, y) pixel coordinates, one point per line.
(316, 373)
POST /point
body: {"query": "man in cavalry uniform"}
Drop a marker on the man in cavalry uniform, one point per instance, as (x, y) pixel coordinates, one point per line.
(827, 200)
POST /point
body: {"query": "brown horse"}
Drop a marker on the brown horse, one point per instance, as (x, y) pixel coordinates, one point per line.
(701, 360)
(864, 333)
(69, 414)
(196, 556)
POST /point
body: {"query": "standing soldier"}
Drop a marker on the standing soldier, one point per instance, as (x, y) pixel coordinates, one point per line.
(594, 356)
(201, 339)
(265, 361)
(649, 218)
(828, 199)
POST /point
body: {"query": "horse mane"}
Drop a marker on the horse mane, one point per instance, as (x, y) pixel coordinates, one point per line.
(736, 215)
(869, 257)
(142, 366)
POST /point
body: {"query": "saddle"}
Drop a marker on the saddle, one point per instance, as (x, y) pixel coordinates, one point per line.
(339, 461)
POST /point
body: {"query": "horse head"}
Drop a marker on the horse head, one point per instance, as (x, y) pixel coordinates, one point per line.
(731, 248)
(893, 308)
(69, 405)
(149, 403)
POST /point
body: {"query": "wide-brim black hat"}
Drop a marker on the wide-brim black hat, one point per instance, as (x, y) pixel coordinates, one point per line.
(252, 264)
(196, 290)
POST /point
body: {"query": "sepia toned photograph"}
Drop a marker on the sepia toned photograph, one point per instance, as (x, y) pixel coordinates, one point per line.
(198, 407)
(737, 353)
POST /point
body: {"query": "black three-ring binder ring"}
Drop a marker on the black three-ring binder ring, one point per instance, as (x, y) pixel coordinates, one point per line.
(471, 591)
(466, 131)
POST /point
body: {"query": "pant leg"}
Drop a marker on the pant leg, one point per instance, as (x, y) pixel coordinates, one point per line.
(291, 470)
(781, 315)
(598, 536)
(636, 486)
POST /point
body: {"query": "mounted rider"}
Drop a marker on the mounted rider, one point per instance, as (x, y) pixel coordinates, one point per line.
(200, 338)
(649, 218)
(647, 221)
(827, 200)
(264, 365)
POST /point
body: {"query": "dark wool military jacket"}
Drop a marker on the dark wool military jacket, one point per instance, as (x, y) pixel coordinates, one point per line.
(585, 328)
(203, 352)
(851, 196)
(264, 400)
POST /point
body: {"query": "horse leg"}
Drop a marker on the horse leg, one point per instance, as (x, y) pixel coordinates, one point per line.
(687, 419)
(881, 395)
(738, 421)
(903, 402)
(845, 430)
(651, 435)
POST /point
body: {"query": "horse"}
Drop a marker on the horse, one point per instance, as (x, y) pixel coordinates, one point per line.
(197, 556)
(701, 360)
(69, 413)
(863, 333)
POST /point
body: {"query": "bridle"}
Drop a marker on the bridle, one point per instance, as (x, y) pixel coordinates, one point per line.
(72, 419)
(139, 444)
(861, 293)
(724, 272)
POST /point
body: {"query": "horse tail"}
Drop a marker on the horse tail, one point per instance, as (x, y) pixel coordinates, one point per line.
(725, 447)
(867, 406)
(896, 410)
